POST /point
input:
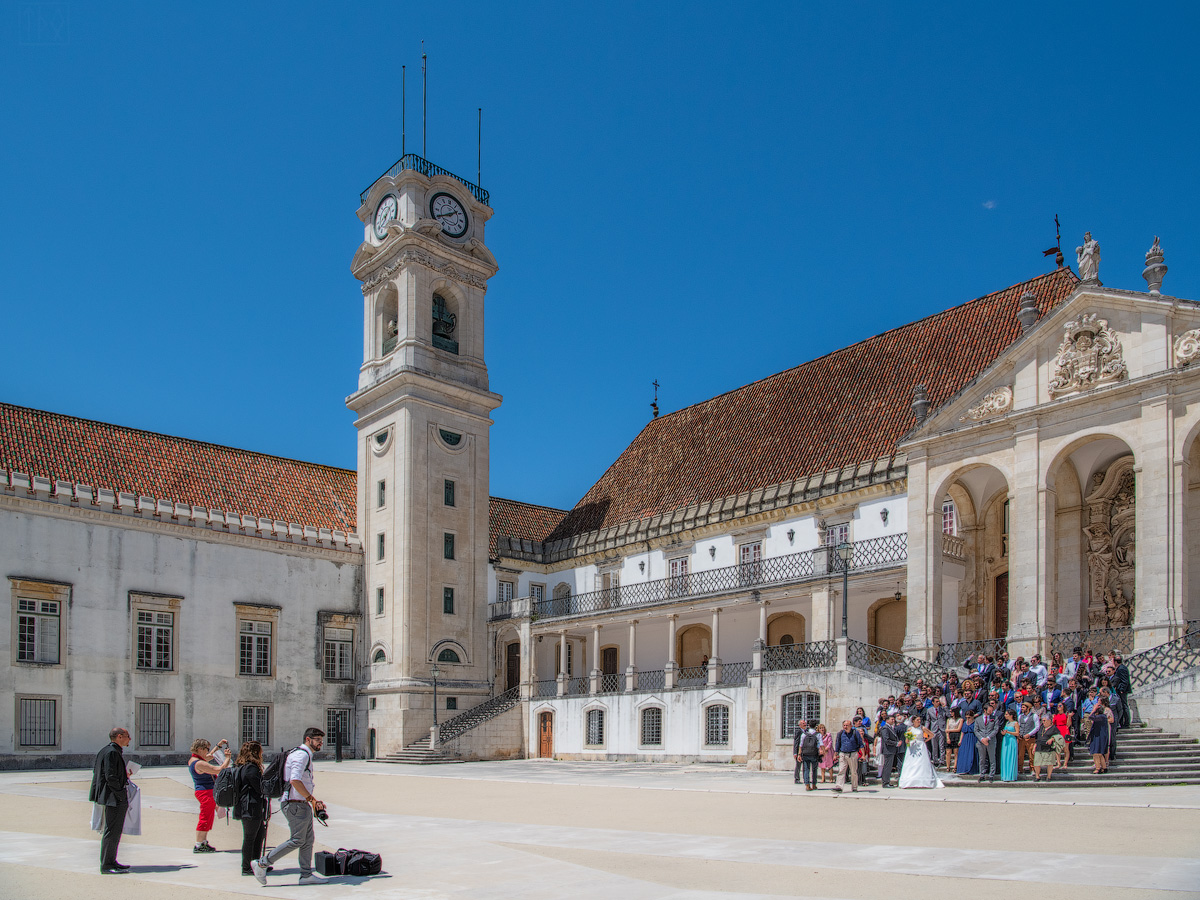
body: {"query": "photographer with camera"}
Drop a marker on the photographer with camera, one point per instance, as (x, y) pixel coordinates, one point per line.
(204, 779)
(298, 805)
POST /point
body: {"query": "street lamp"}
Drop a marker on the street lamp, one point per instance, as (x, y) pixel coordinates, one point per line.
(845, 552)
(435, 672)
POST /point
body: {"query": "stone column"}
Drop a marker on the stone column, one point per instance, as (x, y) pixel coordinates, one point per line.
(595, 673)
(760, 645)
(671, 666)
(924, 580)
(562, 663)
(1160, 493)
(822, 621)
(714, 661)
(1026, 548)
(528, 660)
(631, 666)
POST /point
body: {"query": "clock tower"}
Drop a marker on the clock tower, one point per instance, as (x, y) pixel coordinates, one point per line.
(424, 410)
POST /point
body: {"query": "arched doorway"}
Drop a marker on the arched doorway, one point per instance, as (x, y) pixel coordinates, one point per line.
(785, 628)
(371, 744)
(512, 665)
(887, 622)
(545, 735)
(693, 645)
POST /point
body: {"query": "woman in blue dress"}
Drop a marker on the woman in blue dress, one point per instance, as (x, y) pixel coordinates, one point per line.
(1008, 747)
(968, 764)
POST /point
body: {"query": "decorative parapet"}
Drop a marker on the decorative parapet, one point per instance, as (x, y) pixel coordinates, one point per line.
(83, 496)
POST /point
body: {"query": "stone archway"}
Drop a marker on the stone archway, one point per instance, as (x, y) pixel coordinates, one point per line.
(692, 645)
(786, 628)
(887, 622)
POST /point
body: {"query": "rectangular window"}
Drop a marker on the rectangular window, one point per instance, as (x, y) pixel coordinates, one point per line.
(652, 726)
(154, 723)
(537, 592)
(380, 546)
(750, 562)
(448, 492)
(448, 545)
(716, 725)
(451, 703)
(678, 570)
(38, 630)
(379, 601)
(254, 657)
(339, 654)
(949, 519)
(837, 534)
(337, 722)
(504, 591)
(256, 724)
(448, 601)
(155, 640)
(595, 728)
(804, 705)
(37, 721)
(381, 494)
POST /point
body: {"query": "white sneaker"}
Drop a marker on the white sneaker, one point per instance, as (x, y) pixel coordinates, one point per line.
(259, 868)
(311, 878)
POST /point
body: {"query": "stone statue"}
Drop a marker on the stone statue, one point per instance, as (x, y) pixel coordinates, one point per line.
(1090, 355)
(1111, 545)
(1088, 257)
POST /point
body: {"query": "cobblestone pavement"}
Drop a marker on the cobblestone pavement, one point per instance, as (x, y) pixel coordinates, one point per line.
(550, 829)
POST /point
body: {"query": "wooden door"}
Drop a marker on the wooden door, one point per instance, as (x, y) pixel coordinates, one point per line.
(608, 661)
(1001, 606)
(545, 735)
(512, 665)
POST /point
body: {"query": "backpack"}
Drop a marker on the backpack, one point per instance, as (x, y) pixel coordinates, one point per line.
(808, 744)
(225, 791)
(358, 862)
(273, 782)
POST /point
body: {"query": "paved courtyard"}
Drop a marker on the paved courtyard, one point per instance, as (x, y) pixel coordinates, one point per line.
(611, 831)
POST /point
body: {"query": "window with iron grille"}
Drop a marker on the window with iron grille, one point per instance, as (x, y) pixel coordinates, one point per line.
(448, 492)
(949, 518)
(154, 723)
(37, 722)
(155, 640)
(38, 630)
(337, 721)
(447, 546)
(504, 591)
(380, 546)
(381, 495)
(254, 656)
(716, 725)
(595, 728)
(448, 601)
(379, 601)
(804, 705)
(837, 534)
(339, 654)
(652, 726)
(677, 570)
(750, 562)
(256, 724)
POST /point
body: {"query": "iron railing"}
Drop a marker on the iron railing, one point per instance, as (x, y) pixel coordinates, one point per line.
(816, 654)
(546, 688)
(735, 673)
(691, 676)
(651, 680)
(1165, 660)
(488, 709)
(611, 684)
(501, 609)
(890, 664)
(952, 656)
(1101, 640)
(428, 169)
(580, 684)
(773, 570)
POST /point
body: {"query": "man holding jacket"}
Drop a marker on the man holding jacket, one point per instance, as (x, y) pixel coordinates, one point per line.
(109, 781)
(987, 746)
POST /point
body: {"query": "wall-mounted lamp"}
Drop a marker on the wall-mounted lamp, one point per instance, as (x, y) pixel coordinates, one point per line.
(642, 566)
(883, 514)
(712, 552)
(791, 535)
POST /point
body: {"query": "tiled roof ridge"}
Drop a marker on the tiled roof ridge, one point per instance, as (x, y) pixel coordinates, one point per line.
(849, 347)
(173, 437)
(527, 503)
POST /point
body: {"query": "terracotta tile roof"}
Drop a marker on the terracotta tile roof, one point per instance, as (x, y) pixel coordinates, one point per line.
(128, 460)
(848, 407)
(515, 519)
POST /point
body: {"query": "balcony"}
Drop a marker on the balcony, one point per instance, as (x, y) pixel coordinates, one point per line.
(428, 169)
(876, 553)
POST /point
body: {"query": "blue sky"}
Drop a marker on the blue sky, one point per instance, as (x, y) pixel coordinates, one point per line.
(702, 194)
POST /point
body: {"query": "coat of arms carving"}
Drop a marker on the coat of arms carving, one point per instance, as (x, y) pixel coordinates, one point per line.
(1090, 355)
(998, 401)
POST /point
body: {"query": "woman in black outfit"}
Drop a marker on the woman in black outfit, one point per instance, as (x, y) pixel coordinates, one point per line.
(252, 807)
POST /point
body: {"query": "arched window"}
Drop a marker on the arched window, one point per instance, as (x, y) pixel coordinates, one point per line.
(379, 656)
(652, 726)
(562, 600)
(786, 640)
(716, 725)
(595, 728)
(449, 656)
(444, 324)
(804, 705)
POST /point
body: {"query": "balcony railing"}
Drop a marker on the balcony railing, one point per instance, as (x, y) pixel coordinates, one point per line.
(735, 673)
(1100, 640)
(1165, 660)
(774, 570)
(952, 656)
(428, 169)
(954, 546)
(501, 609)
(652, 680)
(611, 684)
(691, 676)
(890, 664)
(547, 688)
(814, 655)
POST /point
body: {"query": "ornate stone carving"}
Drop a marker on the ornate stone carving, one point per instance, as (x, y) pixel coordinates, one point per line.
(1187, 348)
(420, 257)
(1155, 268)
(1088, 258)
(998, 401)
(1089, 356)
(1111, 544)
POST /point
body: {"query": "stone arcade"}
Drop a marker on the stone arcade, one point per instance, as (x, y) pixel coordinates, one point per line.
(1022, 469)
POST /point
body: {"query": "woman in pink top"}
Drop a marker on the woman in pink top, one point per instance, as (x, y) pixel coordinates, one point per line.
(825, 765)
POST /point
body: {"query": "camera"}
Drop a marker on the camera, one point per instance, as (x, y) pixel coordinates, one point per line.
(321, 816)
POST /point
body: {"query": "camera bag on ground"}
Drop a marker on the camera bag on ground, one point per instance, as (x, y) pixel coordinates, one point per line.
(272, 780)
(225, 790)
(325, 863)
(358, 862)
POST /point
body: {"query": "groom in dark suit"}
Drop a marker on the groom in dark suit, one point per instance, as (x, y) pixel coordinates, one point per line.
(891, 739)
(109, 781)
(987, 744)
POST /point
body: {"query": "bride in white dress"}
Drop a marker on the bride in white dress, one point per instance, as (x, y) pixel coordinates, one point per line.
(918, 769)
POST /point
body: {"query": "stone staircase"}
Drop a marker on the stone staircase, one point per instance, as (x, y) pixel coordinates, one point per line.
(420, 753)
(1145, 756)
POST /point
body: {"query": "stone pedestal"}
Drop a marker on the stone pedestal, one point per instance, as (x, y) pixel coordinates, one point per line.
(669, 672)
(630, 679)
(714, 672)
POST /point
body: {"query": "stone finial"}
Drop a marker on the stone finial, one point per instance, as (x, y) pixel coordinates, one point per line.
(920, 403)
(1155, 268)
(1027, 311)
(1088, 257)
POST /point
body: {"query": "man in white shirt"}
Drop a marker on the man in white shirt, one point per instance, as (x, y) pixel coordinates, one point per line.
(1038, 670)
(298, 805)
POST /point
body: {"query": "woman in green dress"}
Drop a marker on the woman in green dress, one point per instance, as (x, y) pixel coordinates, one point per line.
(1008, 747)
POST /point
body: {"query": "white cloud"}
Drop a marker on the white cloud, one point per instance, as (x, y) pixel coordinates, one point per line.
(989, 204)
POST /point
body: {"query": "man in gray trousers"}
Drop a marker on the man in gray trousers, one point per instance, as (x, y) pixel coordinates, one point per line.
(298, 804)
(987, 745)
(935, 721)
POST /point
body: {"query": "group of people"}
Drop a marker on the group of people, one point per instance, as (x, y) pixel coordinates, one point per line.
(252, 806)
(1008, 716)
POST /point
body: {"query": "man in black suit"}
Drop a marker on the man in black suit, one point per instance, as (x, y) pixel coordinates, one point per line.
(890, 741)
(109, 780)
(1122, 685)
(987, 745)
(801, 728)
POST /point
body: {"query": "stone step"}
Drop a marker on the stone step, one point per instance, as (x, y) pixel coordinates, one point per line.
(1106, 780)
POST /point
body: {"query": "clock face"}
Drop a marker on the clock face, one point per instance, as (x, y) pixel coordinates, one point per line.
(385, 214)
(447, 210)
